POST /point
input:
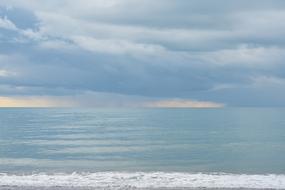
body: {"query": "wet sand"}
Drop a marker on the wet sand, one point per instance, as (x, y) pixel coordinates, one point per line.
(110, 188)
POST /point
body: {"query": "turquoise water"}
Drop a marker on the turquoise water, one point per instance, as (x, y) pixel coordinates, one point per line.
(231, 140)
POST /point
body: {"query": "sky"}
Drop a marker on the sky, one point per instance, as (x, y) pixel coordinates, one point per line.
(133, 53)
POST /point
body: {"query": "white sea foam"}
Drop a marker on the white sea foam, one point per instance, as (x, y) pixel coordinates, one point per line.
(118, 180)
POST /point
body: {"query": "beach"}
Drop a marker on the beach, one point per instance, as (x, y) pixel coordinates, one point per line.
(111, 188)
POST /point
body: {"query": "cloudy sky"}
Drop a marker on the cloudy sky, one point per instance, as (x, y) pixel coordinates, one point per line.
(157, 53)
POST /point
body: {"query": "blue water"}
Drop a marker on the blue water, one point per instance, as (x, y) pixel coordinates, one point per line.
(230, 140)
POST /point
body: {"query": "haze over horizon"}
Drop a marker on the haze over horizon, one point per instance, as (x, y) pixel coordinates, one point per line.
(130, 53)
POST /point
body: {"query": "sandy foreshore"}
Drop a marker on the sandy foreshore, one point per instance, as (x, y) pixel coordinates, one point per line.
(109, 188)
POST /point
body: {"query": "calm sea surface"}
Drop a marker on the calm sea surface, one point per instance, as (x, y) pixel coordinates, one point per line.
(159, 143)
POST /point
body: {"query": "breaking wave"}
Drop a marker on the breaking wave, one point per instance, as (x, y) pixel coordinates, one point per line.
(119, 180)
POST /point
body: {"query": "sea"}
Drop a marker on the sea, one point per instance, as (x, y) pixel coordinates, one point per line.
(142, 148)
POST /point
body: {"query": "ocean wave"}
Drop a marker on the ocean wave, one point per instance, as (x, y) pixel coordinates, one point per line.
(119, 180)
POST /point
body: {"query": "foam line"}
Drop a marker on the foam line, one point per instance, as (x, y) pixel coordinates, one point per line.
(145, 180)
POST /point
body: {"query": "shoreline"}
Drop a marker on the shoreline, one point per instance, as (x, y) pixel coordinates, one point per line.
(112, 188)
(140, 181)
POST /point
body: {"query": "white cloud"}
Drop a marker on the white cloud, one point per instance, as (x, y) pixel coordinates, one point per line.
(180, 46)
(63, 23)
(246, 56)
(7, 24)
(5, 73)
(57, 45)
(180, 103)
(266, 24)
(34, 101)
(32, 34)
(264, 81)
(116, 46)
(99, 99)
(230, 45)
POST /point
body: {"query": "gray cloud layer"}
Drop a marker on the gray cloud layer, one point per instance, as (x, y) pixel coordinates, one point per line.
(226, 51)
